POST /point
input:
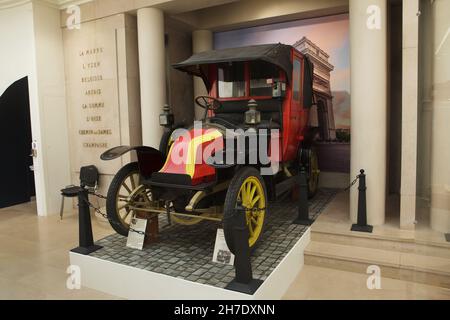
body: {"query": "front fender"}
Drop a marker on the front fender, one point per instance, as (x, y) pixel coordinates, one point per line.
(116, 152)
(149, 159)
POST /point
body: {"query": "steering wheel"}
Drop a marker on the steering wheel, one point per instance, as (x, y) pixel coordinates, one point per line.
(208, 103)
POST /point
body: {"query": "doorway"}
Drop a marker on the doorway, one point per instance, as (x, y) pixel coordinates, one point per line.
(17, 176)
(394, 115)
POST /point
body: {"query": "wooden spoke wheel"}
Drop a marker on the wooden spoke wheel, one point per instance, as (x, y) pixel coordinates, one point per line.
(125, 192)
(247, 189)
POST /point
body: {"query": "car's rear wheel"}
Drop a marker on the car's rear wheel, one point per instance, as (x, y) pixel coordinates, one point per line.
(248, 189)
(308, 159)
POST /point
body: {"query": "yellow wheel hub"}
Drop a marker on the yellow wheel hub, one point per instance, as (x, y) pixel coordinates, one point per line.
(253, 199)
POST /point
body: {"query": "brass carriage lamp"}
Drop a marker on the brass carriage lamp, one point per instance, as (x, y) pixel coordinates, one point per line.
(166, 118)
(252, 116)
(278, 89)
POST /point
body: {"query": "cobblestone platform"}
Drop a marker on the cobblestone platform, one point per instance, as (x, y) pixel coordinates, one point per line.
(186, 251)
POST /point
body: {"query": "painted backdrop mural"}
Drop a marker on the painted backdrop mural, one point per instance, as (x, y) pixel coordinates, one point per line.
(326, 41)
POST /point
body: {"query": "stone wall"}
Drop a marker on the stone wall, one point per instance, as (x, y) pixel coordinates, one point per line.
(103, 91)
(102, 84)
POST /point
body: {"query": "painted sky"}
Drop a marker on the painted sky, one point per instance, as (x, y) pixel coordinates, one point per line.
(331, 34)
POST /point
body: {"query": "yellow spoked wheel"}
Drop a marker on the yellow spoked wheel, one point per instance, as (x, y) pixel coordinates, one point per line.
(248, 190)
(253, 199)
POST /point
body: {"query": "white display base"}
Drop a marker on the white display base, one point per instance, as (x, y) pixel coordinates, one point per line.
(134, 283)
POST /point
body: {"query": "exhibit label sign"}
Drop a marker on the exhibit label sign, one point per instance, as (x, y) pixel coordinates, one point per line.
(221, 253)
(136, 235)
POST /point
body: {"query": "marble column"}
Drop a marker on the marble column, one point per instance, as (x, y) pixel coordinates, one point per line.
(150, 25)
(368, 63)
(202, 40)
(410, 56)
(440, 130)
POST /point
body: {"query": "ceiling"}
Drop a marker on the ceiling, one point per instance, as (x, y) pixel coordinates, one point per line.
(4, 4)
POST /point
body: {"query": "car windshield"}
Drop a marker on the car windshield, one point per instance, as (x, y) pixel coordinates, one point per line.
(231, 79)
(262, 75)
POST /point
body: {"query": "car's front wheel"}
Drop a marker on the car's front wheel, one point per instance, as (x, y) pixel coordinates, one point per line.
(124, 193)
(247, 189)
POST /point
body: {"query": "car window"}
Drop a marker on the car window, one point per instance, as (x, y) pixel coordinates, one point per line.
(231, 80)
(296, 77)
(262, 75)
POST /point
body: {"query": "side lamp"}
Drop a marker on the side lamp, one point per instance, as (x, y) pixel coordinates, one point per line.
(166, 118)
(252, 116)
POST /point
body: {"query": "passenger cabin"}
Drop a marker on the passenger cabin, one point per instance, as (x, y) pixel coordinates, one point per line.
(276, 76)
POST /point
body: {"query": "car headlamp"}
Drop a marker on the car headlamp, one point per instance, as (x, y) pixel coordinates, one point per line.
(252, 116)
(166, 118)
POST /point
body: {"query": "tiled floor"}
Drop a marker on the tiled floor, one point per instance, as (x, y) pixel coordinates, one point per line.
(34, 258)
(34, 254)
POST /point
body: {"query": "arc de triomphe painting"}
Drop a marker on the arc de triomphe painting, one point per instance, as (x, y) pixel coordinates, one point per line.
(326, 42)
(322, 114)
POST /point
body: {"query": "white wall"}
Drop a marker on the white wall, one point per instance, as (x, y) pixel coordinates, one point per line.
(17, 60)
(16, 38)
(49, 55)
(31, 41)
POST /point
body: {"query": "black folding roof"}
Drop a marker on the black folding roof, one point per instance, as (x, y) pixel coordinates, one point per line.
(277, 54)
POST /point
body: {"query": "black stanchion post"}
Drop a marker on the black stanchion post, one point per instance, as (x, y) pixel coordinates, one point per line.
(303, 206)
(243, 281)
(86, 239)
(361, 224)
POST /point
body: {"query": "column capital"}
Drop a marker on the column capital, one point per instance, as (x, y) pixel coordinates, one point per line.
(202, 40)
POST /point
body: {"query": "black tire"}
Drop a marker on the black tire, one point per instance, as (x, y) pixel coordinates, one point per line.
(307, 156)
(111, 199)
(230, 204)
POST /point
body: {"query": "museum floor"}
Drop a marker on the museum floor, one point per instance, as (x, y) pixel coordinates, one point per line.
(34, 258)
